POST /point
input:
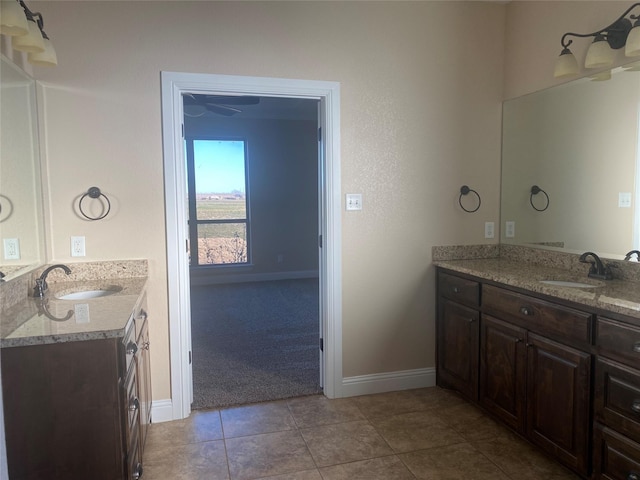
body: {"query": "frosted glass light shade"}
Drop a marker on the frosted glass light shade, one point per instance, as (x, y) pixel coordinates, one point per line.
(48, 58)
(13, 20)
(31, 42)
(632, 49)
(601, 76)
(599, 54)
(566, 65)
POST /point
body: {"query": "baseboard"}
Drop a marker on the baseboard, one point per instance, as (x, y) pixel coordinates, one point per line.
(161, 411)
(201, 278)
(388, 382)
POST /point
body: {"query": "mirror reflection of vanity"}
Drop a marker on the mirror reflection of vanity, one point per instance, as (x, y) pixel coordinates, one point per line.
(21, 215)
(579, 143)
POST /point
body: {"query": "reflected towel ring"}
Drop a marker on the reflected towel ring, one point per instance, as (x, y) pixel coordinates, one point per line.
(94, 192)
(464, 190)
(534, 191)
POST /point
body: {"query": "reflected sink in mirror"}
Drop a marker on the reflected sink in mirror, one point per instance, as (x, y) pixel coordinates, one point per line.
(563, 283)
(89, 294)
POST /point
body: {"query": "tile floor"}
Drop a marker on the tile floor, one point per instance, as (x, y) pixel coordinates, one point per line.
(428, 433)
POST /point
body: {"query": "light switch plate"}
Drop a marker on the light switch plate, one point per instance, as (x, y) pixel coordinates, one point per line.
(624, 199)
(354, 201)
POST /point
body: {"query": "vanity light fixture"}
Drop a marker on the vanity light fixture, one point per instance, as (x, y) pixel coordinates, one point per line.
(26, 29)
(621, 33)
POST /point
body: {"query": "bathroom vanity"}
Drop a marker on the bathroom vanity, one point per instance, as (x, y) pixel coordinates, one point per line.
(76, 385)
(559, 365)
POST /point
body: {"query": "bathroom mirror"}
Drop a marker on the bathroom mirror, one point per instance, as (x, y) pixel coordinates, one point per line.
(578, 142)
(21, 216)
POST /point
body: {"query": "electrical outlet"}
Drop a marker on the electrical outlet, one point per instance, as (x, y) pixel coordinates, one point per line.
(489, 229)
(354, 201)
(11, 249)
(81, 312)
(624, 199)
(77, 247)
(510, 229)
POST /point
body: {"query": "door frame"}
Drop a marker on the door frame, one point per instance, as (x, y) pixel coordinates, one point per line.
(173, 84)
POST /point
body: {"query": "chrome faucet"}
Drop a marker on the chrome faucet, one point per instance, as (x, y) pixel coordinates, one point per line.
(631, 254)
(41, 283)
(597, 269)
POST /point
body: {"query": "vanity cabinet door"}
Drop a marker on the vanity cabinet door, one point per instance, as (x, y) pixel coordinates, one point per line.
(144, 383)
(503, 371)
(458, 348)
(558, 391)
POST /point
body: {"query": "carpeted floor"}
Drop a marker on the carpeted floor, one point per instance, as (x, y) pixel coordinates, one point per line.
(254, 342)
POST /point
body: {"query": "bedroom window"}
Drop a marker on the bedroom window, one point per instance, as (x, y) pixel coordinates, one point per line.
(218, 212)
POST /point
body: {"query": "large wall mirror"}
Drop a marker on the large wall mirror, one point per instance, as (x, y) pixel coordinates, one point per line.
(21, 216)
(578, 143)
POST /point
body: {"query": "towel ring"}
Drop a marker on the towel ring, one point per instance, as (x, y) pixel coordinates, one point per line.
(534, 191)
(94, 192)
(464, 190)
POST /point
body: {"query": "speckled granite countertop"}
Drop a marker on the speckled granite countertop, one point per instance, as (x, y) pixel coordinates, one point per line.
(36, 322)
(619, 296)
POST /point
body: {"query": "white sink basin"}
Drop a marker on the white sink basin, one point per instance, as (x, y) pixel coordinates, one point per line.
(86, 294)
(562, 283)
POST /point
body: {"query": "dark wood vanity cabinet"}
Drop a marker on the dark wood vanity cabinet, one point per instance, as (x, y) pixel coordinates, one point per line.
(616, 448)
(78, 409)
(533, 366)
(458, 334)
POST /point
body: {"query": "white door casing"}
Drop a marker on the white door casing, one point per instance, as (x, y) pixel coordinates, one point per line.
(173, 85)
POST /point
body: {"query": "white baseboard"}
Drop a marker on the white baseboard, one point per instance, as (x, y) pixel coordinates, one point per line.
(201, 278)
(388, 382)
(161, 411)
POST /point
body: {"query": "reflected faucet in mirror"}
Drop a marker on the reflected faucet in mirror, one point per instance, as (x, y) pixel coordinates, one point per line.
(630, 254)
(597, 269)
(41, 282)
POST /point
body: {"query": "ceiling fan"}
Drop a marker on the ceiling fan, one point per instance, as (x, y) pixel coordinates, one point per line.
(220, 104)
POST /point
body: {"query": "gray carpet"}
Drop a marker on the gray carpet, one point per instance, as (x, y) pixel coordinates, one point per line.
(254, 342)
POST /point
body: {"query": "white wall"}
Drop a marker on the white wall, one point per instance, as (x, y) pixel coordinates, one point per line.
(421, 106)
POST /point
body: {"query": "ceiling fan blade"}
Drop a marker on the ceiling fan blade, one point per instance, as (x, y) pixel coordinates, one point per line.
(222, 109)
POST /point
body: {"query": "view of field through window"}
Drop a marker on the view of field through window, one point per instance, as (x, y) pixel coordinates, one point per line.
(220, 202)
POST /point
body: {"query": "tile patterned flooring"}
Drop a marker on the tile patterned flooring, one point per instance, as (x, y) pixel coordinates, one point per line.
(428, 433)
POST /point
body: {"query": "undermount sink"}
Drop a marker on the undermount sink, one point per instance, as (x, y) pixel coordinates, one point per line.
(88, 294)
(563, 283)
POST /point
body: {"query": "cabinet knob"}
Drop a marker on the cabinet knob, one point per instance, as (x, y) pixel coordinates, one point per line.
(633, 476)
(456, 290)
(137, 471)
(132, 348)
(636, 347)
(143, 315)
(518, 340)
(528, 311)
(145, 345)
(635, 406)
(135, 405)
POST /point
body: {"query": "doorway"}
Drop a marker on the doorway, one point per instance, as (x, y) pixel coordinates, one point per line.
(252, 165)
(174, 85)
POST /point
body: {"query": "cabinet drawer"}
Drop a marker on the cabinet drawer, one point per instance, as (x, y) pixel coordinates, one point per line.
(618, 340)
(538, 315)
(615, 457)
(459, 289)
(617, 397)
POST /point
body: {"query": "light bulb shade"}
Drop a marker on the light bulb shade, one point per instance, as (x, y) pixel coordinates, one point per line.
(599, 54)
(48, 58)
(632, 49)
(601, 76)
(31, 42)
(13, 20)
(566, 65)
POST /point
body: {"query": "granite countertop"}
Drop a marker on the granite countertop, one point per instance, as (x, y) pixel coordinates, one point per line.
(619, 296)
(38, 322)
